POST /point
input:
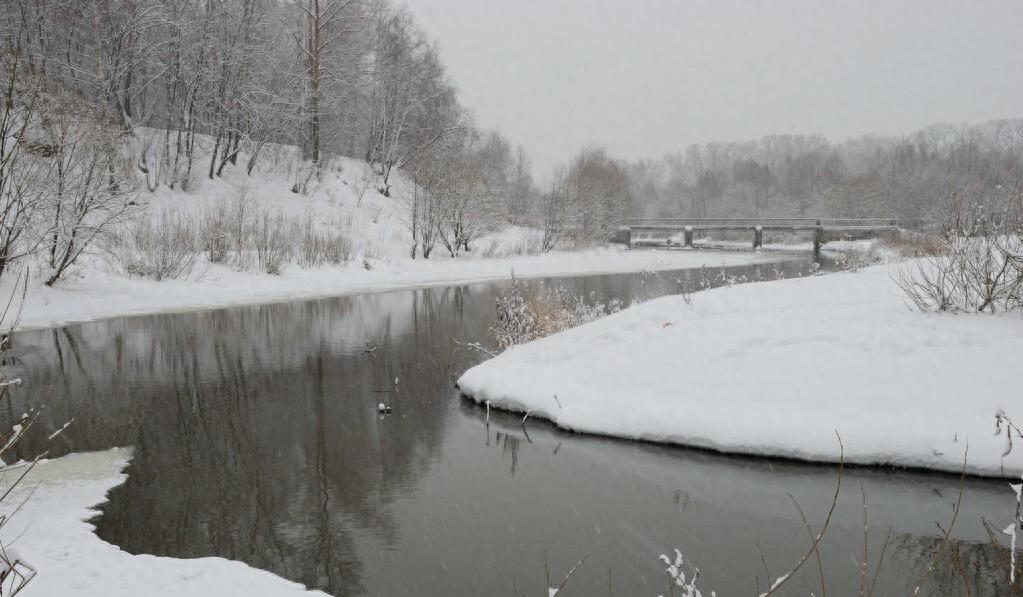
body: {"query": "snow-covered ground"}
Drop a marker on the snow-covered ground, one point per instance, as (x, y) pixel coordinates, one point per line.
(776, 369)
(344, 200)
(71, 560)
(100, 294)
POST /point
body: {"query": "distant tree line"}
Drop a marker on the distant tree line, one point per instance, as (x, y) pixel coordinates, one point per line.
(919, 178)
(926, 179)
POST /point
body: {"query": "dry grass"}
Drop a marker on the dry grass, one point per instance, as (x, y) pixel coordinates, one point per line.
(915, 244)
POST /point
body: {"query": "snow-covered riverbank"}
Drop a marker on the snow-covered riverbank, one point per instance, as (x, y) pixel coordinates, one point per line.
(71, 560)
(100, 295)
(776, 369)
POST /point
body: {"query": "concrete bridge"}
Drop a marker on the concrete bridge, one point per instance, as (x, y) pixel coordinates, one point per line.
(647, 231)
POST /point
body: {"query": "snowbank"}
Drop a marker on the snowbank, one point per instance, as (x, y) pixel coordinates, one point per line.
(775, 369)
(100, 294)
(72, 560)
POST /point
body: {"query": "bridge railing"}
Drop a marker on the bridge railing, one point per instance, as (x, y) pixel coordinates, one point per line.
(860, 222)
(719, 221)
(773, 222)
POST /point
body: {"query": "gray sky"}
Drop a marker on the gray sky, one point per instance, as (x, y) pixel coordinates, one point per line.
(645, 77)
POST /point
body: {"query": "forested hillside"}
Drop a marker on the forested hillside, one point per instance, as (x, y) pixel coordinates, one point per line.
(108, 106)
(119, 111)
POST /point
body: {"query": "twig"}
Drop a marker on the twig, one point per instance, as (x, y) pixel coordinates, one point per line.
(866, 539)
(817, 554)
(880, 560)
(475, 346)
(763, 561)
(957, 563)
(552, 591)
(947, 534)
(781, 580)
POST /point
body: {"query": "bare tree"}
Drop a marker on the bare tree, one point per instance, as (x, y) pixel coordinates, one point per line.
(554, 213)
(327, 27)
(21, 177)
(599, 192)
(413, 105)
(86, 193)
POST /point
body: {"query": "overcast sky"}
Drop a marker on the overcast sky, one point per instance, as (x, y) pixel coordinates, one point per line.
(645, 77)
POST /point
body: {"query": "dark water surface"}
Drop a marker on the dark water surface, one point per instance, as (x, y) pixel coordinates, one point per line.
(257, 438)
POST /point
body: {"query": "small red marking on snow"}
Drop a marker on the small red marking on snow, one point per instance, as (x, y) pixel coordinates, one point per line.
(667, 324)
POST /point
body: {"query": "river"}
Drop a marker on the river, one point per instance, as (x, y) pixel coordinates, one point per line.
(257, 438)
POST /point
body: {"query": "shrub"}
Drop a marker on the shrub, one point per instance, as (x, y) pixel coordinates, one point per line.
(163, 248)
(914, 244)
(214, 234)
(970, 275)
(322, 247)
(523, 317)
(272, 236)
(856, 258)
(240, 226)
(977, 267)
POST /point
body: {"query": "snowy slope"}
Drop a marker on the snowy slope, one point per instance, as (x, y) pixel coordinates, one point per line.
(345, 199)
(777, 368)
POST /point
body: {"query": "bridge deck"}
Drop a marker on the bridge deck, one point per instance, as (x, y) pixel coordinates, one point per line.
(821, 227)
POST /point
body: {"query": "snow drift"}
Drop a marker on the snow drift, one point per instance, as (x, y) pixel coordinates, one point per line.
(776, 369)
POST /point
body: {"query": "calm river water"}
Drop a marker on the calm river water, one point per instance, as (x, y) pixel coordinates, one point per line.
(257, 438)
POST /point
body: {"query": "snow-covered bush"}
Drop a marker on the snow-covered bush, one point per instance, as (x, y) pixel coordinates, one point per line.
(856, 258)
(515, 321)
(978, 266)
(232, 232)
(678, 579)
(241, 224)
(971, 275)
(512, 242)
(214, 234)
(910, 243)
(272, 236)
(322, 247)
(161, 248)
(524, 316)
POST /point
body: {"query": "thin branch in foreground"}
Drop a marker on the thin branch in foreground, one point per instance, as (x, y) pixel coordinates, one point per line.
(781, 580)
(817, 553)
(474, 346)
(552, 591)
(880, 561)
(946, 534)
(866, 539)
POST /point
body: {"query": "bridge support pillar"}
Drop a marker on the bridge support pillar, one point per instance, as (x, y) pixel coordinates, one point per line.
(689, 236)
(818, 240)
(758, 238)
